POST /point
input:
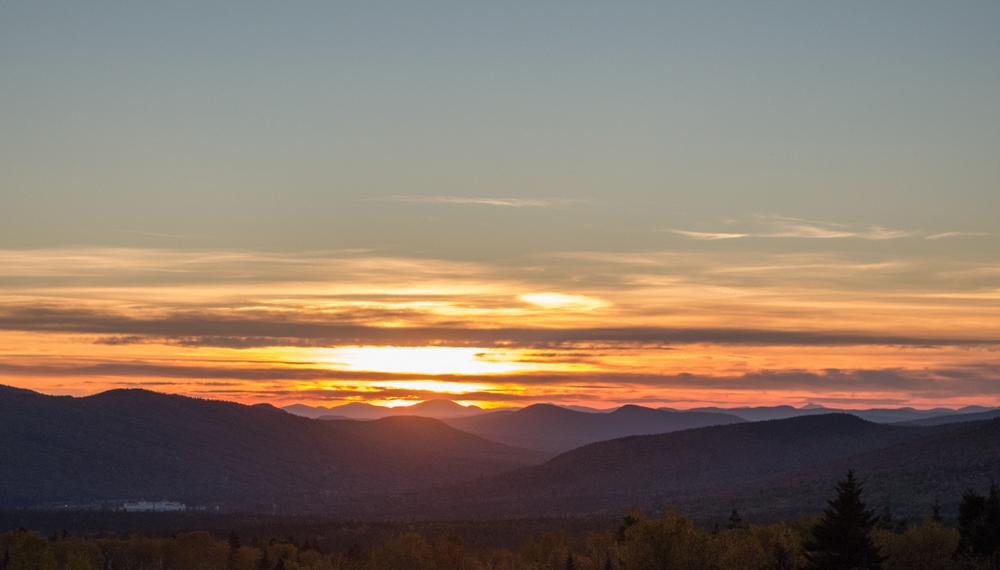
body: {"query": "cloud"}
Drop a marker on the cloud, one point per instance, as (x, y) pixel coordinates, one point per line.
(207, 329)
(706, 235)
(506, 202)
(564, 301)
(958, 234)
(970, 381)
(783, 227)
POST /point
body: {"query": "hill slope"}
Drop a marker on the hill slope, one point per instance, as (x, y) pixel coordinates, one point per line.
(955, 418)
(667, 468)
(907, 477)
(546, 427)
(131, 444)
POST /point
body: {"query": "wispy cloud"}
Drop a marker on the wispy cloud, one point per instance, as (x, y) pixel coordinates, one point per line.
(958, 234)
(783, 227)
(157, 234)
(506, 202)
(707, 235)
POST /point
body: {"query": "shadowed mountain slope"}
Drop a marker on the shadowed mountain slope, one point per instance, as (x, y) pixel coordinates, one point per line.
(955, 418)
(878, 415)
(907, 477)
(663, 469)
(131, 444)
(555, 429)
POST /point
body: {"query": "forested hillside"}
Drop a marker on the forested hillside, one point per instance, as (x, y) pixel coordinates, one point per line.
(132, 444)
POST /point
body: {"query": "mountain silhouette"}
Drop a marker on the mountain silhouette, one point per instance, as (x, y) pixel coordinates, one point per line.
(546, 427)
(132, 444)
(438, 408)
(664, 469)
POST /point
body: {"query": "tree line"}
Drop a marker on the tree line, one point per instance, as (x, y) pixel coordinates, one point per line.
(847, 536)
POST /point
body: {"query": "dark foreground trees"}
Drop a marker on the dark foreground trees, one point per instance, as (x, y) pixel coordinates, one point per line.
(842, 540)
(979, 525)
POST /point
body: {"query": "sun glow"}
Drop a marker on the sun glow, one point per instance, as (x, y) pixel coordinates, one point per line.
(424, 360)
(437, 386)
(563, 301)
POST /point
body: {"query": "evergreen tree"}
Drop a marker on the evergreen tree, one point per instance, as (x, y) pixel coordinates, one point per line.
(979, 523)
(234, 541)
(608, 565)
(885, 519)
(570, 564)
(842, 538)
(782, 558)
(264, 563)
(735, 520)
(936, 511)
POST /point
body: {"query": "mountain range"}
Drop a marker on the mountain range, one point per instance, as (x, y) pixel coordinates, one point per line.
(126, 445)
(134, 444)
(720, 464)
(446, 409)
(546, 427)
(439, 409)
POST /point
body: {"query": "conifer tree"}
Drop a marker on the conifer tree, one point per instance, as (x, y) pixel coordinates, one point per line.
(570, 564)
(735, 520)
(782, 558)
(234, 541)
(885, 519)
(842, 538)
(936, 511)
(979, 523)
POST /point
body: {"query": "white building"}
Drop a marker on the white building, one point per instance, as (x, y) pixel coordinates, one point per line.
(143, 506)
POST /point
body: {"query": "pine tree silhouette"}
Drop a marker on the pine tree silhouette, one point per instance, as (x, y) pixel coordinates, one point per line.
(735, 520)
(782, 558)
(979, 523)
(570, 564)
(842, 539)
(885, 519)
(608, 565)
(234, 541)
(936, 511)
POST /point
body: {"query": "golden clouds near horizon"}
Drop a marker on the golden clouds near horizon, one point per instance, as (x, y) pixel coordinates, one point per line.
(589, 329)
(422, 360)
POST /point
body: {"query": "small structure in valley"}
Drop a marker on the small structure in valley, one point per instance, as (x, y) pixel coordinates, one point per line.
(146, 506)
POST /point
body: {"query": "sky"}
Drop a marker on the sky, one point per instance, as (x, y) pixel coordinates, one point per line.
(591, 203)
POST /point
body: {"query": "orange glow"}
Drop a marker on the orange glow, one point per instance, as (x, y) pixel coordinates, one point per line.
(422, 360)
(302, 337)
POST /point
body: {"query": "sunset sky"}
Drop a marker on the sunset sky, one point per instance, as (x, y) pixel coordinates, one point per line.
(593, 203)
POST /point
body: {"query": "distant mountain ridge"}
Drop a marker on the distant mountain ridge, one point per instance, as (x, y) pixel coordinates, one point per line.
(955, 418)
(132, 444)
(446, 409)
(878, 415)
(763, 467)
(546, 427)
(438, 409)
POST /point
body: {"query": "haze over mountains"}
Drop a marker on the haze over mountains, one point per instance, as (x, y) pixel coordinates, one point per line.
(439, 409)
(133, 444)
(545, 427)
(446, 409)
(722, 462)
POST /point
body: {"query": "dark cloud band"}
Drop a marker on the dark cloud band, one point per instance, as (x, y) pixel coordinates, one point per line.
(208, 329)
